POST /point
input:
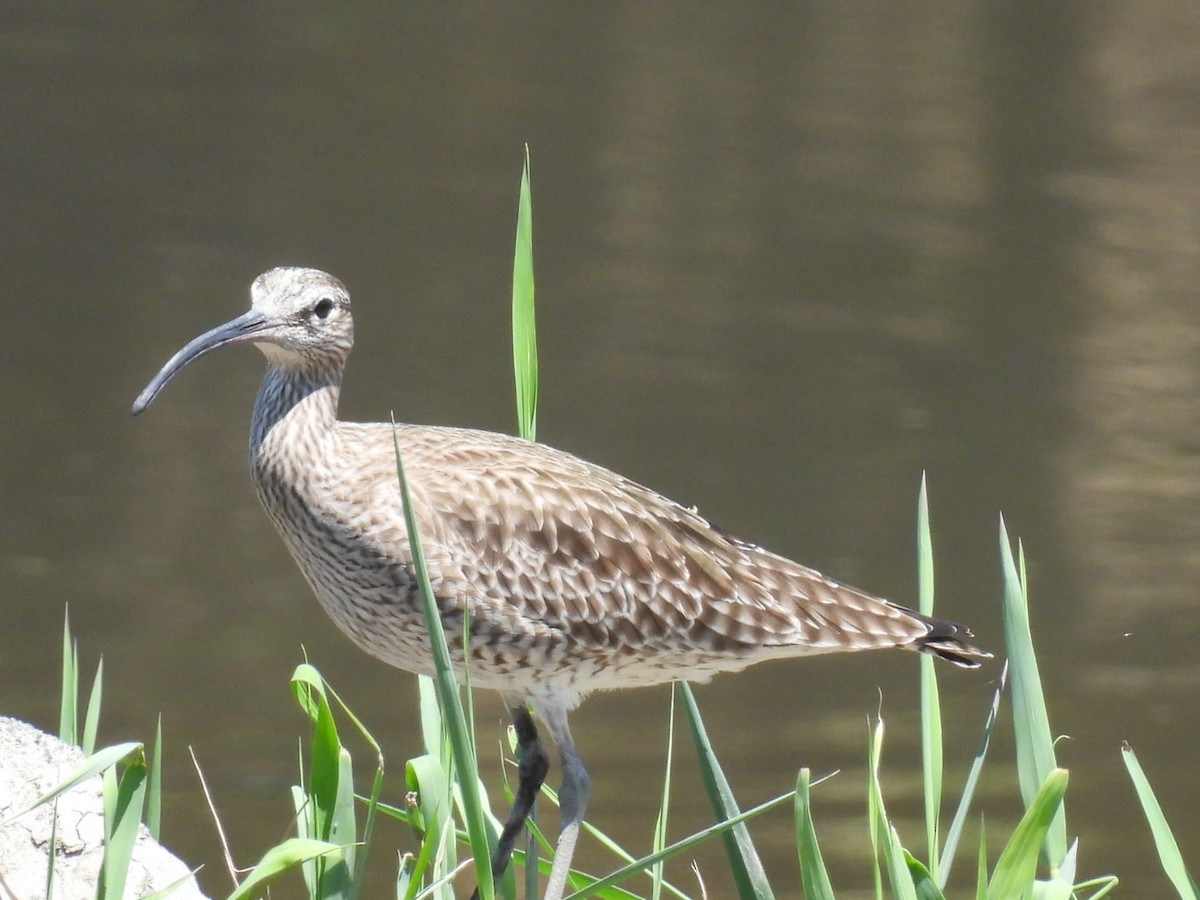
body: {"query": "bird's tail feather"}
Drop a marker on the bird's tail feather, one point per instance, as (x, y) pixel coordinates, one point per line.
(945, 639)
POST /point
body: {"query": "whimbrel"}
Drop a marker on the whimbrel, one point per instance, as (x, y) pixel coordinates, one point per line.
(576, 579)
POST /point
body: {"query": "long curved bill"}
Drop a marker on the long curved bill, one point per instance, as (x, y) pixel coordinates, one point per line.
(245, 327)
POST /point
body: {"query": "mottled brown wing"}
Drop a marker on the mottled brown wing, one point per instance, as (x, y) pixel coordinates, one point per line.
(547, 543)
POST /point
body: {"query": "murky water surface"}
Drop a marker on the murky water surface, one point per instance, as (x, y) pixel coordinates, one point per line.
(787, 260)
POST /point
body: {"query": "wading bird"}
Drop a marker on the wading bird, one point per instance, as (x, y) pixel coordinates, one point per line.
(575, 578)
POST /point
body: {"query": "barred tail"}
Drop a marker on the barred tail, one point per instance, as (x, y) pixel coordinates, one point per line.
(944, 639)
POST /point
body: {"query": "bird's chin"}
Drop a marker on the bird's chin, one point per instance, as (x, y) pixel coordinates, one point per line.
(279, 356)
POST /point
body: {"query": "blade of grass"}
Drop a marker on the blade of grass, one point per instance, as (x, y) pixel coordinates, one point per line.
(331, 798)
(52, 851)
(981, 876)
(280, 859)
(883, 835)
(1164, 839)
(1104, 886)
(426, 777)
(1017, 865)
(594, 888)
(91, 721)
(349, 714)
(660, 824)
(93, 765)
(123, 799)
(525, 371)
(1060, 885)
(431, 716)
(1031, 723)
(525, 368)
(932, 750)
(68, 716)
(603, 839)
(874, 800)
(964, 803)
(357, 858)
(344, 825)
(679, 846)
(924, 886)
(813, 875)
(306, 829)
(451, 703)
(154, 789)
(747, 869)
(360, 863)
(165, 892)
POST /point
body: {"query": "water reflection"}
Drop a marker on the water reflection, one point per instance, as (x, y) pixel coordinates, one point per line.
(788, 258)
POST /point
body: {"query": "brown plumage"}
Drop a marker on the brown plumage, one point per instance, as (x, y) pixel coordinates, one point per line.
(576, 579)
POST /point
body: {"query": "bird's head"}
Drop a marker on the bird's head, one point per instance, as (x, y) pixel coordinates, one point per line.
(299, 318)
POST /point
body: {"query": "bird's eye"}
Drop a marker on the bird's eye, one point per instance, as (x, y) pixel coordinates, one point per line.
(323, 308)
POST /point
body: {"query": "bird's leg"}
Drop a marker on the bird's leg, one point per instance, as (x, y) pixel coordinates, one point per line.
(572, 798)
(532, 765)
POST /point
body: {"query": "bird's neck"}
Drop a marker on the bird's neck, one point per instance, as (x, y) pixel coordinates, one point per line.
(294, 407)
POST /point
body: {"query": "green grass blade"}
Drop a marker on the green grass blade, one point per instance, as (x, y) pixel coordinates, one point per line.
(316, 698)
(925, 887)
(328, 792)
(1017, 866)
(91, 721)
(426, 777)
(813, 875)
(604, 840)
(1104, 885)
(964, 804)
(68, 716)
(1164, 838)
(1031, 723)
(679, 846)
(123, 800)
(931, 710)
(605, 889)
(354, 719)
(875, 813)
(154, 789)
(1060, 885)
(344, 822)
(306, 828)
(660, 823)
(531, 858)
(883, 835)
(432, 727)
(280, 859)
(360, 862)
(447, 688)
(747, 869)
(525, 367)
(52, 851)
(981, 877)
(164, 892)
(93, 765)
(897, 865)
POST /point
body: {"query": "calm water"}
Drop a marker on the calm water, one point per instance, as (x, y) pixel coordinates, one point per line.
(788, 258)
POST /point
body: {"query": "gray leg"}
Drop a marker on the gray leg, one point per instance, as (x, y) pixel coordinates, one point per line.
(572, 797)
(532, 766)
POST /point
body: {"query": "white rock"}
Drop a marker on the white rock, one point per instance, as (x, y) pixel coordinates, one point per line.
(31, 764)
